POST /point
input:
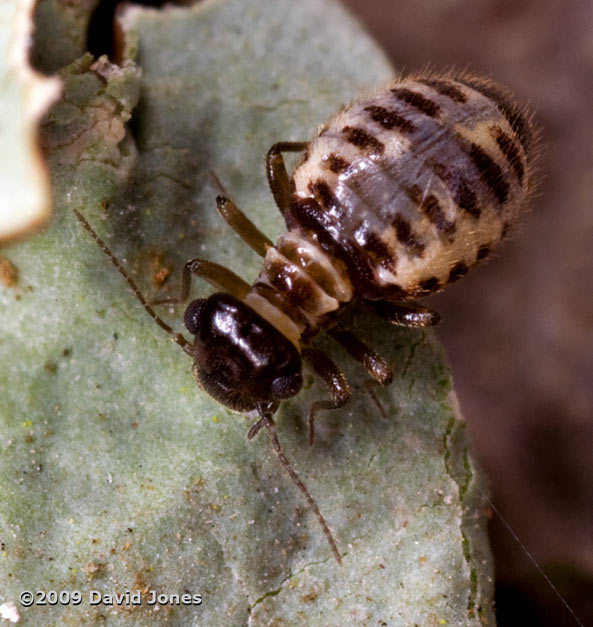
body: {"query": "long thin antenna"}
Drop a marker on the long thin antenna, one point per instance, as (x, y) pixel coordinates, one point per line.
(177, 337)
(534, 562)
(268, 422)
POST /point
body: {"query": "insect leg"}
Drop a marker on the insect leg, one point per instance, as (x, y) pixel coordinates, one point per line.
(220, 277)
(376, 366)
(408, 314)
(277, 174)
(242, 225)
(335, 381)
(177, 337)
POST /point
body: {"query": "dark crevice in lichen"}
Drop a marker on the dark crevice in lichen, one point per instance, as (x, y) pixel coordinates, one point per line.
(101, 38)
(410, 360)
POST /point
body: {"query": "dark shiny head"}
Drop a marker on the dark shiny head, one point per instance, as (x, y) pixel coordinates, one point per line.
(240, 359)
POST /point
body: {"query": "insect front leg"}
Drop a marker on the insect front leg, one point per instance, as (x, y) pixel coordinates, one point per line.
(242, 225)
(335, 381)
(408, 314)
(239, 222)
(220, 277)
(277, 175)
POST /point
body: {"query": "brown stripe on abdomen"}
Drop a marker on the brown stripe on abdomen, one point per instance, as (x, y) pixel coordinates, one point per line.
(433, 211)
(407, 237)
(389, 119)
(380, 252)
(463, 196)
(457, 271)
(509, 150)
(490, 172)
(435, 214)
(361, 139)
(324, 195)
(483, 252)
(418, 101)
(510, 111)
(430, 285)
(336, 163)
(445, 88)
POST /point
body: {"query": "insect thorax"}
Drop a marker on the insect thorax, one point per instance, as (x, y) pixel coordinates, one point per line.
(300, 287)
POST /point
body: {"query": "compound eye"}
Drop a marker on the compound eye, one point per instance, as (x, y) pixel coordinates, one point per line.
(286, 386)
(192, 315)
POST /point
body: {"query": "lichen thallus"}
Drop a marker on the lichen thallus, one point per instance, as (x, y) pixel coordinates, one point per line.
(399, 194)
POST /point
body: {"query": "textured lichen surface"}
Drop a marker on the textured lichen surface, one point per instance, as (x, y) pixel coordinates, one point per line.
(116, 472)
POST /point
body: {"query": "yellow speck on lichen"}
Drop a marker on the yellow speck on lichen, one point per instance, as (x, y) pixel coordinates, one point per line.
(8, 273)
(27, 423)
(198, 483)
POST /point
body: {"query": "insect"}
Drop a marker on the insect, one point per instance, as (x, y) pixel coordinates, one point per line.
(399, 194)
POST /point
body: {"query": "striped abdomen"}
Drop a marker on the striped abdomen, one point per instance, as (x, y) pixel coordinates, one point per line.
(411, 185)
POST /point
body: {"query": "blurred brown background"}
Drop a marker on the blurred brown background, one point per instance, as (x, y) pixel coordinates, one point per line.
(519, 331)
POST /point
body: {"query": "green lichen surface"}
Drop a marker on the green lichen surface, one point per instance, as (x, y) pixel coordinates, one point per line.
(117, 473)
(61, 32)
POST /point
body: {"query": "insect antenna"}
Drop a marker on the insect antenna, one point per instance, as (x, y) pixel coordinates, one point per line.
(268, 422)
(177, 337)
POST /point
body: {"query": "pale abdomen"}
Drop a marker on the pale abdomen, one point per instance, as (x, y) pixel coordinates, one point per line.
(413, 184)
